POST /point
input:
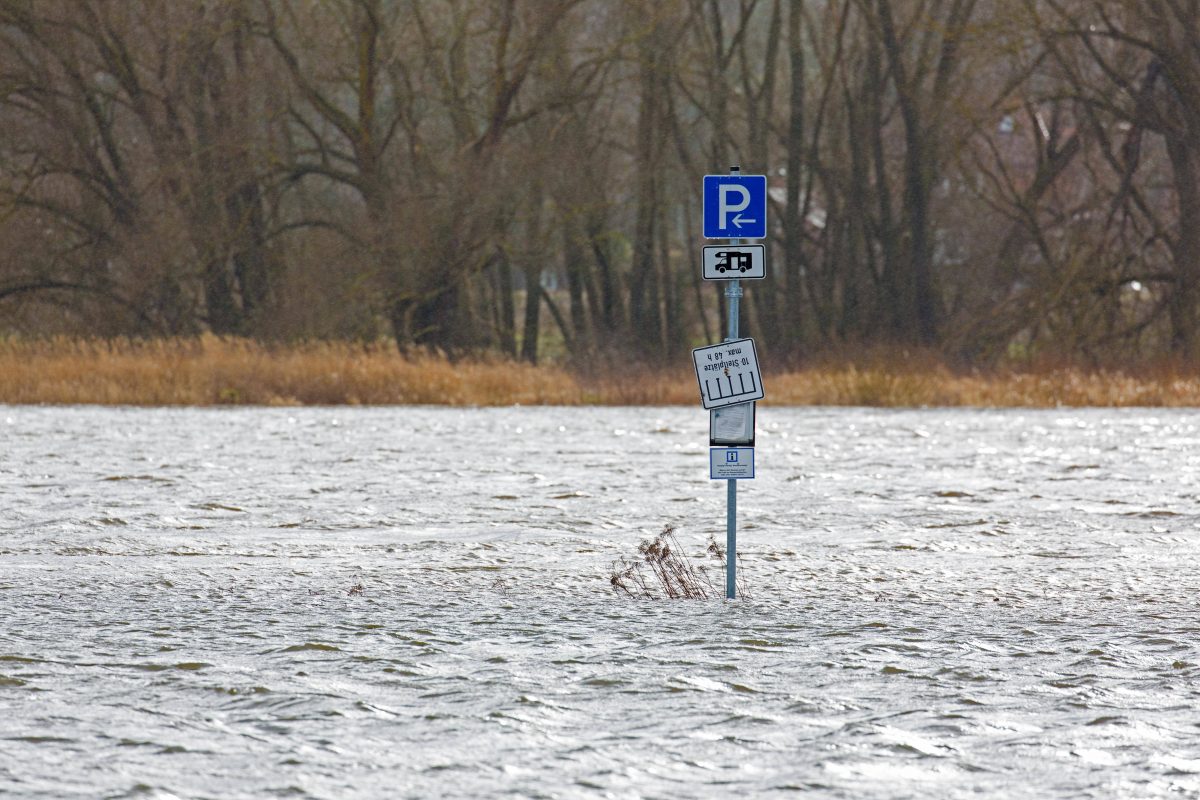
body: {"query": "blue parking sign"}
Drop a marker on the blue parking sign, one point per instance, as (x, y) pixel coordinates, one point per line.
(735, 206)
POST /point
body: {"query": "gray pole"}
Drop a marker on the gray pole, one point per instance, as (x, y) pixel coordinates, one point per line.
(733, 294)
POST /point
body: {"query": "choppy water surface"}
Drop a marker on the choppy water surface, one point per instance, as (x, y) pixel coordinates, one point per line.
(944, 604)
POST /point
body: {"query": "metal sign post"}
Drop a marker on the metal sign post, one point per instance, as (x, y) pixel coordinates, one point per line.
(735, 206)
(733, 293)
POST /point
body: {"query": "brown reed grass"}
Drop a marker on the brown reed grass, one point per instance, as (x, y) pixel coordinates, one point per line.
(209, 370)
(663, 570)
(213, 371)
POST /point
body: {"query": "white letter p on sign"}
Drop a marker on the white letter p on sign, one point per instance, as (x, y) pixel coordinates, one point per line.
(725, 207)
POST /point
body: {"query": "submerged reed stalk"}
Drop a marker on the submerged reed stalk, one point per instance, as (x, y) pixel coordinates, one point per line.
(665, 571)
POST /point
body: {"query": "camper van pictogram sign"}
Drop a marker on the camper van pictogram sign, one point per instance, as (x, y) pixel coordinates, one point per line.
(734, 262)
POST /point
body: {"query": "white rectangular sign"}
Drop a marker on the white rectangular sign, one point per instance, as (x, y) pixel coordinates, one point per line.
(735, 262)
(731, 426)
(728, 373)
(725, 463)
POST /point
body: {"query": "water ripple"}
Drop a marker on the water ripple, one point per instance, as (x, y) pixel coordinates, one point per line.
(944, 603)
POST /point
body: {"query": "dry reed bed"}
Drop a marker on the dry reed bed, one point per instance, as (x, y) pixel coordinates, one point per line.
(901, 386)
(214, 371)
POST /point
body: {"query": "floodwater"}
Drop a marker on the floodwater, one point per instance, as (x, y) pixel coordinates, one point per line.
(399, 602)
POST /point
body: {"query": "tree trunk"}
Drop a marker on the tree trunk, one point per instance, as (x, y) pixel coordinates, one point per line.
(574, 267)
(533, 307)
(507, 308)
(1184, 154)
(793, 213)
(645, 321)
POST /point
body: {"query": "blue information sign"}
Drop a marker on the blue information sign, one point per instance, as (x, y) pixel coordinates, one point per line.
(735, 206)
(730, 463)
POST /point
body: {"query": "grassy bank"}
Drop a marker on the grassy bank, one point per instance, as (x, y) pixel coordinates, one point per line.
(213, 371)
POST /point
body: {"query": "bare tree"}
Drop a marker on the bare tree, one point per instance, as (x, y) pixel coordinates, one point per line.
(1136, 70)
(141, 129)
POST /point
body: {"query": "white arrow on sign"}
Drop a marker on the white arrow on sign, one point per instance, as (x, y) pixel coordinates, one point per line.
(739, 220)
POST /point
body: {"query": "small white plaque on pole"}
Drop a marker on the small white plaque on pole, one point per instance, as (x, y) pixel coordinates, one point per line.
(728, 373)
(726, 463)
(734, 262)
(731, 426)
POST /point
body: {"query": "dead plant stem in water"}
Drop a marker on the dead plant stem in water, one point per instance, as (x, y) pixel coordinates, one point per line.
(664, 570)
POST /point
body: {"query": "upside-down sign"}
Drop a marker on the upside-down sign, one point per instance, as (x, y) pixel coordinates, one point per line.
(728, 373)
